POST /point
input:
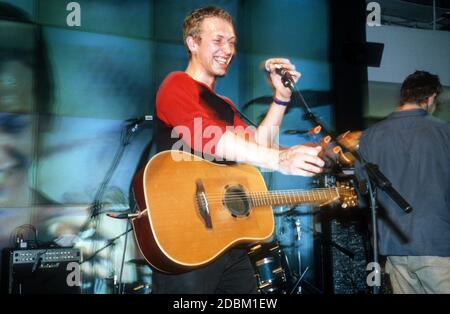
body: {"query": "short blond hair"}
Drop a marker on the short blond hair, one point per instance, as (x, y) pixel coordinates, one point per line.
(192, 22)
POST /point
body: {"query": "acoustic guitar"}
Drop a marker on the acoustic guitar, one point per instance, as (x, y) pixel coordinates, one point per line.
(193, 210)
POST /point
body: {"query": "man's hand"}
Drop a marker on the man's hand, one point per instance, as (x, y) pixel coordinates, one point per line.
(300, 160)
(280, 92)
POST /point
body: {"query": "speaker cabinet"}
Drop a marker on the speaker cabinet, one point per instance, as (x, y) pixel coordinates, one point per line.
(41, 271)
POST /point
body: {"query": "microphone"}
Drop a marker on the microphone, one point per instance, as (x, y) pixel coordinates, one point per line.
(313, 131)
(286, 77)
(140, 119)
(124, 216)
(136, 122)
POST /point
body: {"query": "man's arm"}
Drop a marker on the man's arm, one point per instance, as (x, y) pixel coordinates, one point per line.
(297, 160)
(267, 132)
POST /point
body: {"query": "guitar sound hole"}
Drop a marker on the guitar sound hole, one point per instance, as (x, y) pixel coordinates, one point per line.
(236, 201)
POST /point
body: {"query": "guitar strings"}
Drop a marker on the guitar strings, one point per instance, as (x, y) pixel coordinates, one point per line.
(212, 197)
(283, 191)
(283, 201)
(262, 203)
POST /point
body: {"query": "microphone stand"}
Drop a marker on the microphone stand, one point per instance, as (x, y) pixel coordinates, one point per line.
(376, 179)
(128, 130)
(125, 138)
(373, 211)
(109, 242)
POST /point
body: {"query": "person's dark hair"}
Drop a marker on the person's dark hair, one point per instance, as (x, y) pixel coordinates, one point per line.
(36, 59)
(192, 22)
(417, 87)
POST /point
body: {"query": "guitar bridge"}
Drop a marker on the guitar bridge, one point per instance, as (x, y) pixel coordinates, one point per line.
(202, 204)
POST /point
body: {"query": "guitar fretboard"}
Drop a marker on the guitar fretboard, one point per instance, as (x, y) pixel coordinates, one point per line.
(280, 198)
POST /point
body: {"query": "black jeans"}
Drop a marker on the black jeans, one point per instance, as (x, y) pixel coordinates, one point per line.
(231, 273)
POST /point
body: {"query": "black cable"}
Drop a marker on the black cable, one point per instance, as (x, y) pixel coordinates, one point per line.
(15, 234)
(125, 137)
(121, 291)
(246, 118)
(118, 156)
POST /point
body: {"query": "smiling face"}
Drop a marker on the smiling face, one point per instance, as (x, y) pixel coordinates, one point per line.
(212, 53)
(15, 155)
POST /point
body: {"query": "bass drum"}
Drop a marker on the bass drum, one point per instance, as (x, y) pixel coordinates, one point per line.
(271, 268)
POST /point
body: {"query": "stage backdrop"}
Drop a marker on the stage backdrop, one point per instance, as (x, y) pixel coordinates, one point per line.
(67, 94)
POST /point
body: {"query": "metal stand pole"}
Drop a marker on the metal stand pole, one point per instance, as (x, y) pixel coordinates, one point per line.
(298, 229)
(373, 209)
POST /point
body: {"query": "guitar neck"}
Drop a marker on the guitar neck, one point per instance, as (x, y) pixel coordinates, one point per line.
(293, 197)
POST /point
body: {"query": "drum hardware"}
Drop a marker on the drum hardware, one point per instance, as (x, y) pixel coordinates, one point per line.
(298, 236)
(270, 267)
(304, 285)
(267, 275)
(282, 210)
(297, 283)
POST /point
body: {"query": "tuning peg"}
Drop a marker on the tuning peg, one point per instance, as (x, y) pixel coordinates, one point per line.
(326, 139)
(336, 150)
(316, 130)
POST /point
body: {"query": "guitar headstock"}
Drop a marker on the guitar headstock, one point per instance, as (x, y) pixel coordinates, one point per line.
(347, 194)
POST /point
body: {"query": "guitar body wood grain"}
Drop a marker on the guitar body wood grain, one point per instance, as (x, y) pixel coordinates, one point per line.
(172, 235)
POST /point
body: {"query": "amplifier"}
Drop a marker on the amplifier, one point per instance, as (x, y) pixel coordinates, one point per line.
(40, 271)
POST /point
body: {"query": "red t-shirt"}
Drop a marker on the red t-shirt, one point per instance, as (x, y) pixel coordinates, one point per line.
(181, 101)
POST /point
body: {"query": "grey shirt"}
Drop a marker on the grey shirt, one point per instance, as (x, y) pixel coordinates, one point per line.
(412, 149)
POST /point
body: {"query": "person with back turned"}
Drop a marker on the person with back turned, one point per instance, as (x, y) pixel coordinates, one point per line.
(412, 149)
